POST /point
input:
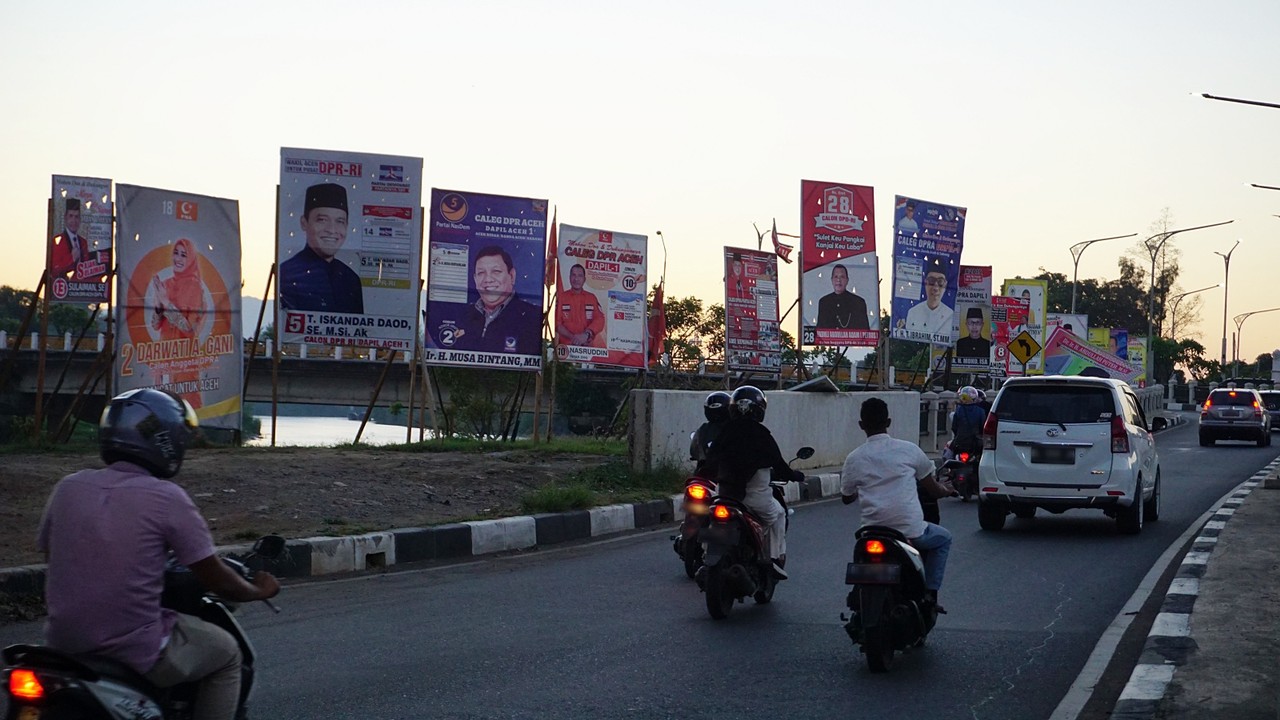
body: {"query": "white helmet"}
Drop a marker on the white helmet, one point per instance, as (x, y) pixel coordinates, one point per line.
(967, 395)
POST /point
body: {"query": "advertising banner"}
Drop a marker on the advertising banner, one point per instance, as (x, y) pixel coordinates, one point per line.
(973, 320)
(487, 257)
(1077, 324)
(1101, 339)
(1137, 358)
(348, 248)
(751, 337)
(612, 269)
(1008, 318)
(1036, 293)
(1069, 354)
(79, 253)
(928, 238)
(839, 289)
(178, 288)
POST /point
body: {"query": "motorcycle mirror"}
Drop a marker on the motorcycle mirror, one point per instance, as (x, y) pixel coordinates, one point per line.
(805, 453)
(269, 546)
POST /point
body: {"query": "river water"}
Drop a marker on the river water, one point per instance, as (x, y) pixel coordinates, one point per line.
(324, 431)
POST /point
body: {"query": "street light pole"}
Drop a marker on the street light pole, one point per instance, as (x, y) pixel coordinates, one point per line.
(1076, 251)
(1239, 320)
(1173, 316)
(1226, 290)
(1151, 292)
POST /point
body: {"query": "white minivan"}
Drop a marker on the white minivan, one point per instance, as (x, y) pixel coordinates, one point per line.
(1061, 442)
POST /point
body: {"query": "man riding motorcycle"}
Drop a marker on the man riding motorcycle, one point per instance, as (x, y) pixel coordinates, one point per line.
(107, 533)
(716, 410)
(745, 454)
(967, 422)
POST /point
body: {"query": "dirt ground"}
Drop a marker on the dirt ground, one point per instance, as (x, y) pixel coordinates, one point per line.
(304, 492)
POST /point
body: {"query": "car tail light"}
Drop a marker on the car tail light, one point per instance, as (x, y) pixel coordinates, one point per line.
(1257, 409)
(989, 431)
(24, 684)
(875, 547)
(1119, 437)
(721, 512)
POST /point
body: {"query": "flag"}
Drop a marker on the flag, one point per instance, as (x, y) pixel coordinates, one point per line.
(551, 252)
(783, 251)
(657, 326)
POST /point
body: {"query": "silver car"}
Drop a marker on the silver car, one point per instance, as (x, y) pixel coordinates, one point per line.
(1234, 414)
(1064, 442)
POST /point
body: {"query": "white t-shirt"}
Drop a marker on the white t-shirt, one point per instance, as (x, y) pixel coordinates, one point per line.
(884, 472)
(936, 321)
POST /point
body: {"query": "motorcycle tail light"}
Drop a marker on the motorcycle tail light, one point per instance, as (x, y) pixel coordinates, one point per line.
(696, 492)
(964, 457)
(24, 684)
(875, 547)
(721, 512)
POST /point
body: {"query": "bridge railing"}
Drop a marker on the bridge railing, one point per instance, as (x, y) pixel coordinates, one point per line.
(293, 351)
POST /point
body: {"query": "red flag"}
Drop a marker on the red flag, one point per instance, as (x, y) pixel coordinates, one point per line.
(783, 251)
(551, 252)
(657, 326)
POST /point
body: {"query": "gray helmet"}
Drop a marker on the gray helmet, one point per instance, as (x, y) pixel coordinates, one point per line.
(716, 406)
(748, 402)
(148, 427)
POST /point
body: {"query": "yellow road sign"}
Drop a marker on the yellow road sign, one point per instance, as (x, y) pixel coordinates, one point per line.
(1024, 347)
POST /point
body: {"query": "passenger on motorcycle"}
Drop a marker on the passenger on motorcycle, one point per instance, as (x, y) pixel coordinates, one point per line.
(745, 454)
(106, 534)
(716, 410)
(883, 473)
(967, 422)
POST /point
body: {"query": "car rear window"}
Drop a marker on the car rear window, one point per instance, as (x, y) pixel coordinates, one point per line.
(1228, 397)
(1049, 404)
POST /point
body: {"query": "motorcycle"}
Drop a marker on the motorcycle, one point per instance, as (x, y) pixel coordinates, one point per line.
(698, 491)
(45, 683)
(962, 470)
(736, 561)
(889, 607)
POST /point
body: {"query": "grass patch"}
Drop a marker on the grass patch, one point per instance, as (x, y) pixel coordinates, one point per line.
(612, 482)
(558, 498)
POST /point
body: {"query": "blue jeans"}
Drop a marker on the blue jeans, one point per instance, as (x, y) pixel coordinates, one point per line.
(935, 545)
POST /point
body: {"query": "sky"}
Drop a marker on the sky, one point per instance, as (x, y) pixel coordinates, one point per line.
(1052, 123)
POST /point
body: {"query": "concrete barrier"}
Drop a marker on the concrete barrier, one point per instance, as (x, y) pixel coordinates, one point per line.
(661, 421)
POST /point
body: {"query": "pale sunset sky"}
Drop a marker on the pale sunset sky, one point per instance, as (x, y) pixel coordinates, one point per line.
(1052, 122)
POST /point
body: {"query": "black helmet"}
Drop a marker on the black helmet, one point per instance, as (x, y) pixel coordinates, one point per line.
(748, 402)
(149, 427)
(716, 406)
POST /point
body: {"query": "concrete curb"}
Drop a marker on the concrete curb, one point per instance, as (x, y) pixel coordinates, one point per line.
(319, 556)
(1170, 641)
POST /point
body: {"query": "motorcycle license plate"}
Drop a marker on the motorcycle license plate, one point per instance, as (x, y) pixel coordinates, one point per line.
(719, 533)
(873, 574)
(29, 713)
(1053, 455)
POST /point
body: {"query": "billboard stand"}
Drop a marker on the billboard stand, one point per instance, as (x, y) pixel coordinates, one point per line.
(377, 390)
(67, 365)
(257, 332)
(12, 360)
(101, 368)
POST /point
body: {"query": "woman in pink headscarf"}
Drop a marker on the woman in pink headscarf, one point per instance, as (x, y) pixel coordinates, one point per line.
(179, 306)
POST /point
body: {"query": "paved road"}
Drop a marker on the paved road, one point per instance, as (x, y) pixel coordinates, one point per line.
(614, 630)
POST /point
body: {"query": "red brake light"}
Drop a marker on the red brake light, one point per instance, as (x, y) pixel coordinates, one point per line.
(696, 492)
(1119, 437)
(25, 685)
(875, 547)
(989, 431)
(721, 512)
(964, 457)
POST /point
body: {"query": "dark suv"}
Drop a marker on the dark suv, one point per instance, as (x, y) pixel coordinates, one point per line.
(1234, 414)
(1271, 403)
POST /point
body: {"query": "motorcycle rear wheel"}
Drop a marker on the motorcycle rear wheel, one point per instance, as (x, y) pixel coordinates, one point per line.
(877, 642)
(719, 600)
(764, 595)
(692, 558)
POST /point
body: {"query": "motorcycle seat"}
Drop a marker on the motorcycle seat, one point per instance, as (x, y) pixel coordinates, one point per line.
(86, 667)
(879, 530)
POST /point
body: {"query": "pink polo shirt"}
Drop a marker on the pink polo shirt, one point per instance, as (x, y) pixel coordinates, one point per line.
(107, 534)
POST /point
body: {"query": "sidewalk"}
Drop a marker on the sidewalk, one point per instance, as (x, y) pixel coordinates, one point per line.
(1214, 650)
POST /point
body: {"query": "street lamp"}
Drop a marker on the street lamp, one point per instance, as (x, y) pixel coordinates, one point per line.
(1173, 316)
(1226, 289)
(1076, 251)
(1239, 320)
(1154, 249)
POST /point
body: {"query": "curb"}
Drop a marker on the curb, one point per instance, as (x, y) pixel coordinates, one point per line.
(319, 556)
(1170, 641)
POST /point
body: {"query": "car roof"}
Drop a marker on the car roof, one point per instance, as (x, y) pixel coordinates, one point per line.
(1065, 380)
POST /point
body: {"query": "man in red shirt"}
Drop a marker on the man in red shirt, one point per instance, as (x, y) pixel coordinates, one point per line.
(69, 246)
(579, 318)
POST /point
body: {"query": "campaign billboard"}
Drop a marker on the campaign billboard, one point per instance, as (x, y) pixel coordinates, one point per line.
(79, 250)
(973, 320)
(927, 241)
(1066, 353)
(348, 248)
(1036, 293)
(178, 292)
(486, 257)
(612, 267)
(1008, 319)
(751, 333)
(1077, 324)
(839, 288)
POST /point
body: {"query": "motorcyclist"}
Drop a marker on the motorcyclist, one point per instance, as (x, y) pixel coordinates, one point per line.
(107, 533)
(884, 474)
(747, 456)
(716, 409)
(967, 422)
